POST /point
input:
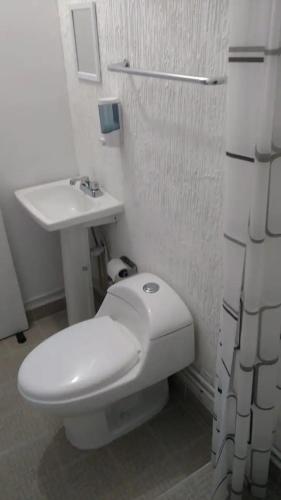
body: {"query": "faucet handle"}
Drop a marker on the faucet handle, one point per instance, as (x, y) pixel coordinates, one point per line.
(94, 185)
(95, 189)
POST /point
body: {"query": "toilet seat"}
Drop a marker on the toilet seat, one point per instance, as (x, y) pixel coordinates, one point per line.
(78, 360)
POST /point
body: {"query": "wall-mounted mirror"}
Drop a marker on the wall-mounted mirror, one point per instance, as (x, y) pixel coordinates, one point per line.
(85, 31)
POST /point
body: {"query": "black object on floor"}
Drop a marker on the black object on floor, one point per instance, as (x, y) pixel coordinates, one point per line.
(21, 338)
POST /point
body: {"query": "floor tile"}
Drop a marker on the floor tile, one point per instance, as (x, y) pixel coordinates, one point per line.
(53, 324)
(177, 428)
(52, 486)
(22, 425)
(196, 487)
(138, 450)
(198, 410)
(10, 399)
(95, 478)
(9, 368)
(65, 452)
(20, 467)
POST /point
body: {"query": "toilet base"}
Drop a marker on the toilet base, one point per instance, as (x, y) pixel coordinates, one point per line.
(94, 430)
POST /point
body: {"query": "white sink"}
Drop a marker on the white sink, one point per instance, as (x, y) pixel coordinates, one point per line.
(59, 205)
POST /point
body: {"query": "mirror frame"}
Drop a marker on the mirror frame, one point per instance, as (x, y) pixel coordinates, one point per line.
(95, 77)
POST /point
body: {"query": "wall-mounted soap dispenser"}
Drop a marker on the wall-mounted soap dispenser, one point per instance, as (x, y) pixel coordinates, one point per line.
(110, 121)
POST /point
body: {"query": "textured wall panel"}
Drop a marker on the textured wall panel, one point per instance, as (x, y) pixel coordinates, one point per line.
(170, 170)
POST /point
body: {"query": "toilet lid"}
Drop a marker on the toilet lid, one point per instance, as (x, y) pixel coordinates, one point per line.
(78, 360)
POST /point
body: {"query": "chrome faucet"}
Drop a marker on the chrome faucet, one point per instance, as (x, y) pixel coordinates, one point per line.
(91, 188)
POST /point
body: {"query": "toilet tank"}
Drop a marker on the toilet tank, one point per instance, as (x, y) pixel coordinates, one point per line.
(158, 309)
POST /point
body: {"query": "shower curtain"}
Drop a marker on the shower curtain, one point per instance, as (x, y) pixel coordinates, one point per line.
(248, 384)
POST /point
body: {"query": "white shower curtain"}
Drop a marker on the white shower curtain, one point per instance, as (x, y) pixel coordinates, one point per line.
(248, 367)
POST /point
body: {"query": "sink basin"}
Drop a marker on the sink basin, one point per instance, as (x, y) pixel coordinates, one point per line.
(58, 205)
(61, 206)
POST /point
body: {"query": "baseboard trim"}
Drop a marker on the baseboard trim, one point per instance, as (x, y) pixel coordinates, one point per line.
(204, 391)
(42, 300)
(199, 386)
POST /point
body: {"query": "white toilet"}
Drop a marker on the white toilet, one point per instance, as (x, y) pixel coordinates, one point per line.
(107, 375)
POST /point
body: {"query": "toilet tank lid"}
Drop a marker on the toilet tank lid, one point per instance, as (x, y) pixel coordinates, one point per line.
(161, 307)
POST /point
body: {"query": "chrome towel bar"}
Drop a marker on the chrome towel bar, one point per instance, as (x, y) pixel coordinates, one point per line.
(124, 67)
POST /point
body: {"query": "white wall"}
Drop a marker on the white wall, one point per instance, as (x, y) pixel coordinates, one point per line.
(169, 171)
(36, 142)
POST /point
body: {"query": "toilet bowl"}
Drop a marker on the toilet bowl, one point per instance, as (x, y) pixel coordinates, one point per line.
(107, 375)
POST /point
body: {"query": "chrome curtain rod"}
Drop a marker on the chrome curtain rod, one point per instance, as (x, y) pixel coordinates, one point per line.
(124, 67)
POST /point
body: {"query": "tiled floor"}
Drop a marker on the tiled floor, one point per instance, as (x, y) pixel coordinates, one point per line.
(36, 461)
(198, 485)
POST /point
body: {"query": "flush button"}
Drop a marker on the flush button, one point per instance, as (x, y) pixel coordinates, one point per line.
(151, 287)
